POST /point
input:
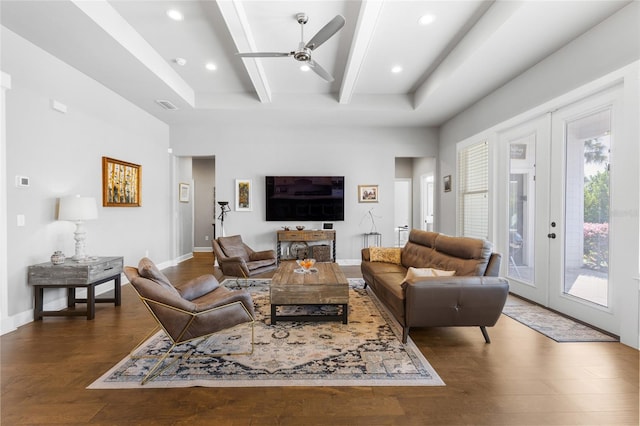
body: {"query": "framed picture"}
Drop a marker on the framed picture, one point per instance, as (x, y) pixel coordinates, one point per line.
(244, 203)
(183, 192)
(447, 183)
(368, 193)
(121, 183)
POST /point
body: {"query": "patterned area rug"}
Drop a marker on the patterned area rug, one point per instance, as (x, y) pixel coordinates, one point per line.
(553, 325)
(365, 352)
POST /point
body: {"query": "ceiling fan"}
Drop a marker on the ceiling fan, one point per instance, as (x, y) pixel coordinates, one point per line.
(303, 54)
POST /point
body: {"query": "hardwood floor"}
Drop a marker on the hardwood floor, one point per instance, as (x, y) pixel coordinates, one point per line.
(521, 378)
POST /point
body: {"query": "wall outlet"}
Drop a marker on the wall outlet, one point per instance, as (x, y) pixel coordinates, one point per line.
(206, 238)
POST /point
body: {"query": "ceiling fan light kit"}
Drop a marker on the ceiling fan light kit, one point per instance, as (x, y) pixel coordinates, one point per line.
(303, 53)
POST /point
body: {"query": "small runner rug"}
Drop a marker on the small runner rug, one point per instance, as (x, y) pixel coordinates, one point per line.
(553, 325)
(365, 352)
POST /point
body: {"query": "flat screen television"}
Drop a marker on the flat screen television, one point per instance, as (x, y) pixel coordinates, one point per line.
(305, 198)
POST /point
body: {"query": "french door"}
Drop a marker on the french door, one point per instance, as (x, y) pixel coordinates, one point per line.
(556, 176)
(525, 200)
(582, 170)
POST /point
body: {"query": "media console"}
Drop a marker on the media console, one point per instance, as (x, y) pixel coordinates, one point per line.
(307, 236)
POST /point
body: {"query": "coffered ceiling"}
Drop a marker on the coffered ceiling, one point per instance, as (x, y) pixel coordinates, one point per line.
(468, 50)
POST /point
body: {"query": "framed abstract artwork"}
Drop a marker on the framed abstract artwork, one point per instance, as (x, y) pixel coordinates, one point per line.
(121, 182)
(244, 203)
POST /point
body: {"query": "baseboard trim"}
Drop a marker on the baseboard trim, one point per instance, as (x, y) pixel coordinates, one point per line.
(202, 249)
(348, 262)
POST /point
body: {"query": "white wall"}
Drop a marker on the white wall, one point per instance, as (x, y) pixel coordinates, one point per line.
(589, 63)
(362, 155)
(62, 155)
(607, 47)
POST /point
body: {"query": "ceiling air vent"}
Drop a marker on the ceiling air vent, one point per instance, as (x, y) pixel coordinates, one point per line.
(166, 104)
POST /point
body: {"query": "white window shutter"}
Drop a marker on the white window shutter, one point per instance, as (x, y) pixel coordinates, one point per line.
(473, 190)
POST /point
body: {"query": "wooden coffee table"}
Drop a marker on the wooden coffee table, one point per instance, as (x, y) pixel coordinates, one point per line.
(327, 286)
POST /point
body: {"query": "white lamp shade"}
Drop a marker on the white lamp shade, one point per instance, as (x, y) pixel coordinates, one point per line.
(77, 208)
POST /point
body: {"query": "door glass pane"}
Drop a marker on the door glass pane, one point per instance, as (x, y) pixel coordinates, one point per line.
(521, 208)
(586, 258)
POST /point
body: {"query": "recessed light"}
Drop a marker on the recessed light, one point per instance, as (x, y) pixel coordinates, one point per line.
(176, 15)
(180, 61)
(211, 66)
(396, 69)
(426, 19)
(305, 68)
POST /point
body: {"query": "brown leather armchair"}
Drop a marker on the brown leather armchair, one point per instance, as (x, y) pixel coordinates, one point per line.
(193, 310)
(237, 259)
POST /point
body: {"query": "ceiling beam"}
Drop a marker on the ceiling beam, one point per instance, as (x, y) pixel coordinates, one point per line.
(467, 49)
(240, 30)
(365, 27)
(106, 17)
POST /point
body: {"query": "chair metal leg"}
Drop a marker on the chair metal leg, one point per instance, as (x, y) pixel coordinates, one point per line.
(155, 371)
(150, 375)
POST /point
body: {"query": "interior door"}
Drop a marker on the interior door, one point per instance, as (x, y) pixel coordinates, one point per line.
(402, 210)
(583, 140)
(427, 202)
(524, 195)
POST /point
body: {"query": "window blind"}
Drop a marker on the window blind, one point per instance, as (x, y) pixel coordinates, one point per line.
(473, 190)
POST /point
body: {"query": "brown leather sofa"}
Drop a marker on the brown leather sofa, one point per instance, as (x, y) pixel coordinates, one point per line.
(474, 296)
(237, 259)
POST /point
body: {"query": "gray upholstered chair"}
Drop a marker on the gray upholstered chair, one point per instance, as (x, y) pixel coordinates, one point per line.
(237, 259)
(193, 310)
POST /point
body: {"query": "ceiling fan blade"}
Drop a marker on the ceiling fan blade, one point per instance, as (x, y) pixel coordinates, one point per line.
(315, 67)
(264, 54)
(326, 32)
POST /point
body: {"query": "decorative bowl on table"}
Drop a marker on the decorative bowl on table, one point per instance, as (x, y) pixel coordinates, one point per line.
(300, 227)
(306, 265)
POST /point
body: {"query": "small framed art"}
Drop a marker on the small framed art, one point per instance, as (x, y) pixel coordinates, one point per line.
(183, 192)
(244, 203)
(121, 182)
(368, 193)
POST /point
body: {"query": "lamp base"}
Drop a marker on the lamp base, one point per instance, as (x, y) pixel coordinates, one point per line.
(79, 235)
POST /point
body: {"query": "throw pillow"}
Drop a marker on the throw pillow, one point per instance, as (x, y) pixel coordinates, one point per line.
(417, 274)
(385, 254)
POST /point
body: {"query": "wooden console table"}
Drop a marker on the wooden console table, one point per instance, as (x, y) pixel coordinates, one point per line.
(72, 275)
(306, 236)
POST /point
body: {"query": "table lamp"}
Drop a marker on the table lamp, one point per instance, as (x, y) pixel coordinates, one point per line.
(78, 209)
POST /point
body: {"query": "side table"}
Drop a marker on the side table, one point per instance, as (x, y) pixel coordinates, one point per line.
(75, 274)
(375, 236)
